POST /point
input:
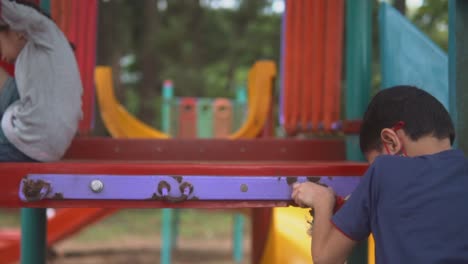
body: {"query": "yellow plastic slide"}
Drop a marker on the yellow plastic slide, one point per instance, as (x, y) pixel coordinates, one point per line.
(118, 121)
(288, 241)
(260, 90)
(121, 124)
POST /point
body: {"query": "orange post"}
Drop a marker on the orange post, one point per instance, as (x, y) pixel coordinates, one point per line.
(223, 118)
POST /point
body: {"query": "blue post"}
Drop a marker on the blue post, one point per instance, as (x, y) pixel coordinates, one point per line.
(238, 238)
(167, 233)
(166, 236)
(167, 94)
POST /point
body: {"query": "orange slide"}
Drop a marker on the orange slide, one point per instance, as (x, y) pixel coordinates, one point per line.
(66, 222)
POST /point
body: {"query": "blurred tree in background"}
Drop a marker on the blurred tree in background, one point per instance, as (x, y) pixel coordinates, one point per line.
(432, 19)
(206, 49)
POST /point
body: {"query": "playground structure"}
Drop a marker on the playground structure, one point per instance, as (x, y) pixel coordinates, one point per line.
(214, 118)
(201, 117)
(260, 76)
(121, 124)
(147, 165)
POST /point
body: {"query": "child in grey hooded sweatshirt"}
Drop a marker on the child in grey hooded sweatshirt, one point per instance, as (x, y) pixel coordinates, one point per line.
(41, 106)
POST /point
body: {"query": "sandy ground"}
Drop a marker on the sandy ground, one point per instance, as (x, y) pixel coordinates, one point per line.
(144, 251)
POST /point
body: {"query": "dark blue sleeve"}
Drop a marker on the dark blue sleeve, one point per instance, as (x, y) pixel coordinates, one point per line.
(353, 219)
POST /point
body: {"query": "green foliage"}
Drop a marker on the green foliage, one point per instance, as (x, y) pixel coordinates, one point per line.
(206, 51)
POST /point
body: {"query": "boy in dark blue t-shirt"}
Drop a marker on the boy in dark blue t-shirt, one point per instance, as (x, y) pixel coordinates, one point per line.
(412, 198)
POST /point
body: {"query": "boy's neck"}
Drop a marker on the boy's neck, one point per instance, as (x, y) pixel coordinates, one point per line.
(426, 146)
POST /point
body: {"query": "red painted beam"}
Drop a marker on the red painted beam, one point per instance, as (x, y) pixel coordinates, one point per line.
(207, 150)
(12, 173)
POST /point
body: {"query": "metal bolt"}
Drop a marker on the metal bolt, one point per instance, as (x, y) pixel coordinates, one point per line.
(96, 186)
(244, 187)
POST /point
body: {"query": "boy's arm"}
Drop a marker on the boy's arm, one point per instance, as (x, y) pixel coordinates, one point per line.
(329, 245)
(333, 236)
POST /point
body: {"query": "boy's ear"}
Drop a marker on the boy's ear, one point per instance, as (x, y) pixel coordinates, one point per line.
(391, 140)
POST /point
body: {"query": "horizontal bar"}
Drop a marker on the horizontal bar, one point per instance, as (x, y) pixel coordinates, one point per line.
(11, 175)
(169, 188)
(207, 150)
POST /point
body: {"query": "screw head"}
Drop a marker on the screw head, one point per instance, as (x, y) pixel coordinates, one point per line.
(244, 187)
(96, 186)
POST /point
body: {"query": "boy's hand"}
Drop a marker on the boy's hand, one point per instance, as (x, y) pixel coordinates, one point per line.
(313, 195)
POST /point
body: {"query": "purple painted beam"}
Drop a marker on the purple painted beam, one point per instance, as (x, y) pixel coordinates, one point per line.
(37, 187)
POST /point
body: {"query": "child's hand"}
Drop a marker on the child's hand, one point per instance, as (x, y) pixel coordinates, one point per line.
(309, 194)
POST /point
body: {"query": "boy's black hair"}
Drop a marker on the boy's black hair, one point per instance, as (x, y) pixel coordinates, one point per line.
(422, 114)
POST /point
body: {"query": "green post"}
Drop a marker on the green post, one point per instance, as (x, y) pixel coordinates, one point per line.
(239, 220)
(167, 232)
(33, 235)
(204, 118)
(358, 82)
(239, 107)
(458, 66)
